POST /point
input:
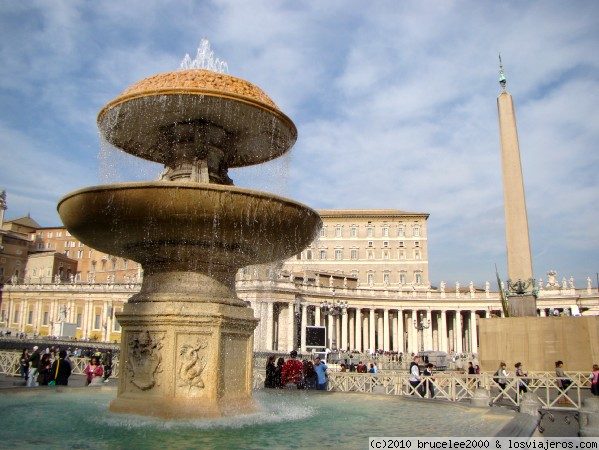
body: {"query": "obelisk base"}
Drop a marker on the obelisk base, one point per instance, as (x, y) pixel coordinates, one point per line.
(522, 305)
(185, 360)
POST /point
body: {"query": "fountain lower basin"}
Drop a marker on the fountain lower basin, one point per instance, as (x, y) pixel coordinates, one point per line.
(188, 226)
(299, 419)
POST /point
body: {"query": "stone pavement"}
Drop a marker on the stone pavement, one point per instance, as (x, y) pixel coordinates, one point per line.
(564, 424)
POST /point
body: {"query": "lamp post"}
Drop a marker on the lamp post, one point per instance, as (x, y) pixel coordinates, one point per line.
(422, 325)
(335, 308)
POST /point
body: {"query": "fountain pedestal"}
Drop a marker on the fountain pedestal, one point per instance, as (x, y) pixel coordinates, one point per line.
(185, 359)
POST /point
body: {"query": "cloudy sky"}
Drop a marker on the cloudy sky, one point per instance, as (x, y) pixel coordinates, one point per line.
(395, 103)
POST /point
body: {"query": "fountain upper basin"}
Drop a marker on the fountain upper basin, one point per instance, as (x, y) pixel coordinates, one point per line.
(164, 118)
(187, 226)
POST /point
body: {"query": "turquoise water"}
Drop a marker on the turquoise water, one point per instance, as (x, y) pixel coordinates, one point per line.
(79, 419)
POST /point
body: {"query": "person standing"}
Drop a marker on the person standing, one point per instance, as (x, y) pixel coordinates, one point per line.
(321, 374)
(501, 377)
(45, 370)
(93, 372)
(61, 369)
(292, 371)
(279, 369)
(107, 363)
(24, 364)
(595, 380)
(34, 361)
(522, 386)
(414, 378)
(271, 369)
(562, 380)
(428, 372)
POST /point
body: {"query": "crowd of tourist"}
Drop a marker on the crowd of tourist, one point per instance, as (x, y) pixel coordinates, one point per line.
(53, 366)
(296, 373)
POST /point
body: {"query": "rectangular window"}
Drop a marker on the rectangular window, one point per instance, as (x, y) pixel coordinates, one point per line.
(338, 255)
(79, 254)
(401, 232)
(402, 278)
(97, 322)
(370, 279)
(90, 253)
(418, 278)
(416, 254)
(30, 318)
(354, 253)
(16, 316)
(338, 232)
(416, 244)
(322, 232)
(353, 232)
(370, 243)
(308, 254)
(298, 256)
(402, 254)
(416, 231)
(45, 321)
(385, 254)
(385, 243)
(59, 234)
(385, 232)
(323, 254)
(370, 232)
(386, 278)
(370, 254)
(401, 244)
(49, 234)
(116, 326)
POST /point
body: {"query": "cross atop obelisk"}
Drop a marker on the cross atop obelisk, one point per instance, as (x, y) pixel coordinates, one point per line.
(521, 300)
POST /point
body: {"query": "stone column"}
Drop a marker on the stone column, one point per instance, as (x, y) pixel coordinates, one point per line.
(473, 335)
(269, 325)
(351, 328)
(317, 321)
(330, 331)
(371, 329)
(427, 333)
(358, 343)
(386, 346)
(290, 327)
(395, 335)
(365, 332)
(400, 330)
(344, 329)
(443, 332)
(413, 333)
(379, 331)
(458, 331)
(303, 327)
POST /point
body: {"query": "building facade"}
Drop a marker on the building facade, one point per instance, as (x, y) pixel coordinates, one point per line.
(382, 249)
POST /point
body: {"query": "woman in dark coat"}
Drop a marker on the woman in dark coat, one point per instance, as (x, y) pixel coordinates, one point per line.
(61, 369)
(45, 370)
(278, 370)
(270, 381)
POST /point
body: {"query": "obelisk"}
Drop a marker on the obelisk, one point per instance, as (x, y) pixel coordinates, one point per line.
(521, 288)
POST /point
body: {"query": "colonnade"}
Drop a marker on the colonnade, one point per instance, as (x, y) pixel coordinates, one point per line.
(391, 329)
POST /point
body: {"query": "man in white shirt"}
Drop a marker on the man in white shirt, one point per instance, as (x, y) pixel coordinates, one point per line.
(415, 376)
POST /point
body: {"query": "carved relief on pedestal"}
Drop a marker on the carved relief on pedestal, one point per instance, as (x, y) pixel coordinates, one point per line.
(144, 358)
(192, 360)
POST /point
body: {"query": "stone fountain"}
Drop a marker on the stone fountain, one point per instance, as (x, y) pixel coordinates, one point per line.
(186, 337)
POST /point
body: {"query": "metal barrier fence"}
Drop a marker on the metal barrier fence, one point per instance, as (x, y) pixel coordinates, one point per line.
(552, 392)
(9, 364)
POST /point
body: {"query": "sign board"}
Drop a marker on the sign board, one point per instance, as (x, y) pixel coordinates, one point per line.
(316, 337)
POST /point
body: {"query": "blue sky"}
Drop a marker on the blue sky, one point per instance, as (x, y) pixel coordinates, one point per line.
(395, 104)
